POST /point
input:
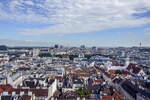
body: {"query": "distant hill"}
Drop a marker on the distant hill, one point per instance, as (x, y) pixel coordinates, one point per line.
(3, 47)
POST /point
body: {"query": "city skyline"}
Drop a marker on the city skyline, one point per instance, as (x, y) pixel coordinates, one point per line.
(108, 23)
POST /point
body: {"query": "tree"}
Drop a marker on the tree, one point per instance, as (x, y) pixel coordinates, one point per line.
(118, 72)
(83, 92)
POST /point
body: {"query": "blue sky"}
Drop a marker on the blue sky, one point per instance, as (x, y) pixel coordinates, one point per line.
(75, 22)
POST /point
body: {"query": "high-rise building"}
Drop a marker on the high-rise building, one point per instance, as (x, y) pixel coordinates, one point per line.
(56, 46)
(36, 52)
(82, 46)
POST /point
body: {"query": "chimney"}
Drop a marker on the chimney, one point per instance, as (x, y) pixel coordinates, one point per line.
(78, 98)
(29, 93)
(21, 93)
(83, 98)
(13, 93)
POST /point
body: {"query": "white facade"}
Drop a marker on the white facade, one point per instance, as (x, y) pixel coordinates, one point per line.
(108, 66)
(52, 89)
(36, 52)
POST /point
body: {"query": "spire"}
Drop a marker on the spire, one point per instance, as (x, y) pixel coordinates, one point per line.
(140, 44)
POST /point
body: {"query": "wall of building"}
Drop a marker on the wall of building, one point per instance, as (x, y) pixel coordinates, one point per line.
(52, 89)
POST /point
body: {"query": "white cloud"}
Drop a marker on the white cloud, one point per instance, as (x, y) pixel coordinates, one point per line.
(147, 29)
(29, 2)
(76, 16)
(10, 42)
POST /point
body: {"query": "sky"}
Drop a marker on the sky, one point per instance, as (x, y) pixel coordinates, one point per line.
(75, 22)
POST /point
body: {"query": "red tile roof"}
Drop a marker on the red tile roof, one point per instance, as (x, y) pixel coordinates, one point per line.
(106, 91)
(25, 97)
(117, 96)
(107, 98)
(112, 71)
(134, 68)
(99, 81)
(37, 92)
(1, 90)
(6, 87)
